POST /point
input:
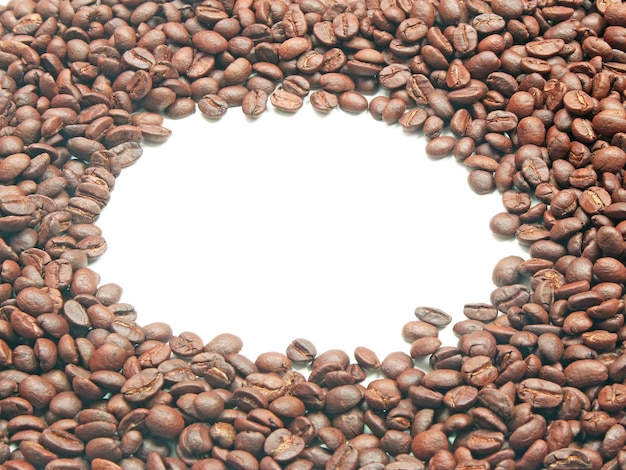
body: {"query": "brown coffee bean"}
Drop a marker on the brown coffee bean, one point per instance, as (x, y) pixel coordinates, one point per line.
(586, 373)
(353, 102)
(433, 316)
(424, 346)
(427, 443)
(143, 386)
(418, 329)
(285, 101)
(212, 106)
(560, 458)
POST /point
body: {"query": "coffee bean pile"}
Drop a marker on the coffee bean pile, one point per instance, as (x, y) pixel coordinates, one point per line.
(528, 94)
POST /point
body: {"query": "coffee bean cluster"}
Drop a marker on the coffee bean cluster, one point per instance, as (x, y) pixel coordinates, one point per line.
(528, 94)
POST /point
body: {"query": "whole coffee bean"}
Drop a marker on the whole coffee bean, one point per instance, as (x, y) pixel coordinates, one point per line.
(393, 111)
(164, 421)
(418, 329)
(481, 181)
(433, 316)
(37, 390)
(143, 386)
(285, 101)
(283, 446)
(323, 101)
(433, 126)
(301, 351)
(254, 103)
(424, 346)
(345, 456)
(336, 82)
(464, 327)
(427, 443)
(366, 358)
(505, 224)
(212, 106)
(506, 271)
(480, 312)
(61, 442)
(560, 459)
(586, 373)
(353, 102)
(540, 393)
(479, 371)
(395, 363)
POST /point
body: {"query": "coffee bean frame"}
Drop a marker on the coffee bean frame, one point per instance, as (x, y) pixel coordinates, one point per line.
(527, 95)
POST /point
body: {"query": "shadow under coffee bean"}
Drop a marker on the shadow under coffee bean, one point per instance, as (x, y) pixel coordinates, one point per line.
(535, 377)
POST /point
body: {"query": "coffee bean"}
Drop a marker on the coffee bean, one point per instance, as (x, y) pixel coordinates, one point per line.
(427, 443)
(561, 459)
(481, 181)
(480, 312)
(301, 351)
(433, 316)
(285, 101)
(353, 102)
(212, 106)
(254, 103)
(418, 329)
(440, 147)
(424, 346)
(283, 446)
(143, 386)
(586, 373)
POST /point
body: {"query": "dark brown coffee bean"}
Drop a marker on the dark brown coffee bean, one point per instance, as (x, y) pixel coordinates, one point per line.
(427, 443)
(283, 446)
(61, 442)
(345, 457)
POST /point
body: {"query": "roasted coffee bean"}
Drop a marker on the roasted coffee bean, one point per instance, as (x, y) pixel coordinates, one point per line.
(540, 393)
(418, 329)
(586, 373)
(353, 102)
(254, 103)
(433, 316)
(505, 224)
(286, 101)
(424, 346)
(565, 458)
(143, 386)
(427, 443)
(212, 106)
(480, 312)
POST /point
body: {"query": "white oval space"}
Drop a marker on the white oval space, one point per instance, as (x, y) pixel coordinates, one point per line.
(328, 228)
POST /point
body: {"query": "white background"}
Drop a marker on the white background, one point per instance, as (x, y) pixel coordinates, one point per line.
(333, 228)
